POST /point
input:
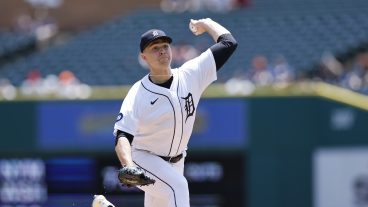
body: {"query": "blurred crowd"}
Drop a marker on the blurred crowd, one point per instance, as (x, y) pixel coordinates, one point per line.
(181, 52)
(351, 74)
(7, 90)
(261, 72)
(220, 6)
(277, 72)
(64, 85)
(39, 22)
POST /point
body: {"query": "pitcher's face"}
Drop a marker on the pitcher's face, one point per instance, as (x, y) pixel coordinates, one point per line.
(158, 54)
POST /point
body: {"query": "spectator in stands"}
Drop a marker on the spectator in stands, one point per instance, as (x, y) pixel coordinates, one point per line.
(7, 90)
(282, 71)
(71, 87)
(50, 85)
(67, 78)
(175, 5)
(330, 69)
(351, 74)
(68, 83)
(354, 78)
(65, 85)
(219, 6)
(40, 23)
(183, 52)
(43, 27)
(364, 67)
(201, 5)
(241, 3)
(24, 23)
(239, 84)
(260, 72)
(32, 85)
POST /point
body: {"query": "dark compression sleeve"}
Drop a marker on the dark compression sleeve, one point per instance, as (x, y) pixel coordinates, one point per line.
(120, 134)
(222, 50)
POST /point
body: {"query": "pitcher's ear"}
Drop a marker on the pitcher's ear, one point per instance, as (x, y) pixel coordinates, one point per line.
(143, 56)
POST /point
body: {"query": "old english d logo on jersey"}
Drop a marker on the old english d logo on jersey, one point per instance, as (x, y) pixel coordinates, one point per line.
(189, 105)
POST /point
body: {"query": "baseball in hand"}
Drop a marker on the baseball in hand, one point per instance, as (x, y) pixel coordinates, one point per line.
(192, 27)
(198, 27)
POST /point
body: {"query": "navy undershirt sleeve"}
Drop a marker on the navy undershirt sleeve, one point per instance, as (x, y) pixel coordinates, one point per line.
(223, 49)
(120, 134)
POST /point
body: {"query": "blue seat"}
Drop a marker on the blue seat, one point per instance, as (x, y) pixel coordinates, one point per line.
(299, 30)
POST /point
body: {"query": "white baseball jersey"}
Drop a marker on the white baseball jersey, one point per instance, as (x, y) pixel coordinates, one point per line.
(161, 119)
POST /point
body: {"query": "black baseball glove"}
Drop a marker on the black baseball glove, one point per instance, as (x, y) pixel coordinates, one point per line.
(134, 176)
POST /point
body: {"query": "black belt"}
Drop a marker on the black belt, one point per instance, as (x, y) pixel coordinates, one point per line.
(173, 159)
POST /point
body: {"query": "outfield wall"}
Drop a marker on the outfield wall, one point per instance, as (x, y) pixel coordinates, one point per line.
(69, 148)
(283, 147)
(285, 135)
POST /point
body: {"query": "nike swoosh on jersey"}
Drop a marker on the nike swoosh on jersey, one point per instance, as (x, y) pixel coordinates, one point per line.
(153, 102)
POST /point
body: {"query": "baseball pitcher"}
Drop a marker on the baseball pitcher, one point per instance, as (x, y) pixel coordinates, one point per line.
(157, 115)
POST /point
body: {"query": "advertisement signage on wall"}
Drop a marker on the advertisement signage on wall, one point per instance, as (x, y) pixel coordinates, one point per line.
(341, 177)
(66, 181)
(88, 125)
(72, 125)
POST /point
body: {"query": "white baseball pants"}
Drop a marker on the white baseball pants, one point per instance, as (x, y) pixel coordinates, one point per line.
(171, 187)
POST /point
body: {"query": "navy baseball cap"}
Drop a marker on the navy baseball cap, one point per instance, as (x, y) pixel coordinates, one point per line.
(152, 35)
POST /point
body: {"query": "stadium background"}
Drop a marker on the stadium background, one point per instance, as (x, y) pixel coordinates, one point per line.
(293, 138)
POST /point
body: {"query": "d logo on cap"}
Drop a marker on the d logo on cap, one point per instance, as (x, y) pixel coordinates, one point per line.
(152, 35)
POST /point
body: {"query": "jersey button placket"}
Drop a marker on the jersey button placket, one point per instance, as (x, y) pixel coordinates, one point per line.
(177, 108)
